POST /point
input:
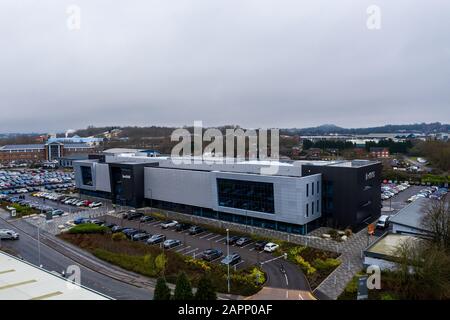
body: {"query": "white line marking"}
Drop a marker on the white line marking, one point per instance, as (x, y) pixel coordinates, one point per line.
(182, 249)
(221, 239)
(190, 251)
(247, 245)
(204, 236)
(287, 282)
(300, 296)
(217, 235)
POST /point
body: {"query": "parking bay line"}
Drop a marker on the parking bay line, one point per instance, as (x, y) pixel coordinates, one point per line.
(247, 245)
(217, 235)
(191, 251)
(206, 235)
(221, 239)
(182, 249)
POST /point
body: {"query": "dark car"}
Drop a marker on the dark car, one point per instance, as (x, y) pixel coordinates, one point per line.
(156, 238)
(182, 226)
(195, 230)
(259, 245)
(141, 236)
(243, 241)
(232, 240)
(211, 254)
(134, 215)
(231, 259)
(97, 222)
(81, 220)
(110, 225)
(117, 229)
(129, 232)
(147, 219)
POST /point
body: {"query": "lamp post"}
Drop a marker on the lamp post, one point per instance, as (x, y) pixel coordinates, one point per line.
(228, 254)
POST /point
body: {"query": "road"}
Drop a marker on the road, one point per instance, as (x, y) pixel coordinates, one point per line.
(27, 248)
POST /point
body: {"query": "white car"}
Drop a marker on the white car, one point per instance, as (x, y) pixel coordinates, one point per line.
(169, 224)
(271, 247)
(383, 221)
(95, 204)
(8, 234)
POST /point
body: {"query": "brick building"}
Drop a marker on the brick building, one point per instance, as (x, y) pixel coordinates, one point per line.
(379, 152)
(42, 152)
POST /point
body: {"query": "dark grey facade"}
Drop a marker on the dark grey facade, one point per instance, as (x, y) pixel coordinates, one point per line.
(350, 194)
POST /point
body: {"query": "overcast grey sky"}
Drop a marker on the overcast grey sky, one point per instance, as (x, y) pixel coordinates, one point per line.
(258, 63)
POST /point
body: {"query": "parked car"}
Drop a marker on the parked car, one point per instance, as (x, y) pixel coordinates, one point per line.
(271, 247)
(110, 225)
(195, 230)
(129, 232)
(57, 212)
(141, 236)
(231, 259)
(97, 222)
(95, 205)
(116, 229)
(156, 238)
(81, 220)
(383, 222)
(182, 226)
(211, 254)
(259, 245)
(243, 241)
(7, 234)
(169, 224)
(170, 243)
(134, 215)
(147, 219)
(232, 240)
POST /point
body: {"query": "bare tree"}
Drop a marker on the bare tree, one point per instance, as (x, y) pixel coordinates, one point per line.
(437, 221)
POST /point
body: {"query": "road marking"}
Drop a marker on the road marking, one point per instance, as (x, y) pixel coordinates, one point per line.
(206, 235)
(239, 263)
(217, 235)
(221, 239)
(287, 294)
(190, 251)
(215, 259)
(182, 249)
(287, 282)
(252, 249)
(247, 245)
(300, 296)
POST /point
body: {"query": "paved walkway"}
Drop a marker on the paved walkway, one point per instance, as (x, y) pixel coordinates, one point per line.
(352, 263)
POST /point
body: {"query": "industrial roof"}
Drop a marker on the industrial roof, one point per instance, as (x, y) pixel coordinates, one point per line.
(22, 146)
(76, 145)
(21, 280)
(412, 214)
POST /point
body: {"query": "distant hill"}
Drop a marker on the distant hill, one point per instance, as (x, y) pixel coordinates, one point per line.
(426, 128)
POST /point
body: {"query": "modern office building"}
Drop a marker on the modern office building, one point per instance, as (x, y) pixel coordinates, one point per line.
(292, 199)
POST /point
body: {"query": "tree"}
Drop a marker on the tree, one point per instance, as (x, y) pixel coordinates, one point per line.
(205, 289)
(162, 291)
(183, 289)
(437, 221)
(160, 263)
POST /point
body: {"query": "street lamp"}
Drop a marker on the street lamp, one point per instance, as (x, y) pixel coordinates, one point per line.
(228, 254)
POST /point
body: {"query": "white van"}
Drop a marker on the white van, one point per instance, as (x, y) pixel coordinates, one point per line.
(383, 222)
(8, 234)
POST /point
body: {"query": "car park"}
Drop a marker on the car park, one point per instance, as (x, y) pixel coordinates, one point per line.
(134, 215)
(156, 238)
(7, 234)
(211, 254)
(231, 259)
(171, 243)
(271, 247)
(169, 224)
(195, 230)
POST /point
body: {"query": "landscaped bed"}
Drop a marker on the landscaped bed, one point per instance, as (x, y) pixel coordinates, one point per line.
(21, 211)
(316, 264)
(153, 261)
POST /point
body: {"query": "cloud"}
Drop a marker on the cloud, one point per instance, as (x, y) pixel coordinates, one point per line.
(268, 63)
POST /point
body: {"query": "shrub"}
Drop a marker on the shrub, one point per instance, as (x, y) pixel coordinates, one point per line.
(88, 228)
(160, 263)
(348, 232)
(258, 275)
(118, 236)
(333, 233)
(327, 264)
(162, 291)
(388, 296)
(199, 263)
(305, 265)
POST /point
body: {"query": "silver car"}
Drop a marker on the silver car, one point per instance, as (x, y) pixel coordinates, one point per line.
(8, 234)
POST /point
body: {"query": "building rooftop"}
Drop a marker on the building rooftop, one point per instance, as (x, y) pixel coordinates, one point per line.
(20, 280)
(387, 246)
(412, 214)
(22, 146)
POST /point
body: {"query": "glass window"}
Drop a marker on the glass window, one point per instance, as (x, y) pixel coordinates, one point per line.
(318, 187)
(246, 195)
(317, 206)
(307, 210)
(307, 189)
(86, 176)
(312, 208)
(312, 189)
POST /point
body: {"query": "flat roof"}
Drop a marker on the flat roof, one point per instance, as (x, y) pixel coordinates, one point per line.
(412, 214)
(388, 244)
(20, 280)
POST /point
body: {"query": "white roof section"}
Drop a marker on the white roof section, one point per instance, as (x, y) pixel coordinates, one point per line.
(389, 244)
(20, 280)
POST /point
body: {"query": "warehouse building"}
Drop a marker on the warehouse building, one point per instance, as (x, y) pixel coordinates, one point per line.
(298, 198)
